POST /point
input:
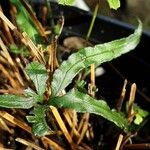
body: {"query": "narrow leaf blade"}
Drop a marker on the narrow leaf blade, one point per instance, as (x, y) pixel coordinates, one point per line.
(13, 101)
(25, 22)
(84, 103)
(38, 74)
(99, 54)
(39, 125)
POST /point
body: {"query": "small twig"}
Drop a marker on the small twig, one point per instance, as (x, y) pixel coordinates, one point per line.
(122, 96)
(143, 146)
(131, 103)
(92, 85)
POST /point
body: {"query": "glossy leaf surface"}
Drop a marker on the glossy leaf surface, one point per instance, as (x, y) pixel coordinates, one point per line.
(84, 103)
(39, 125)
(14, 101)
(98, 54)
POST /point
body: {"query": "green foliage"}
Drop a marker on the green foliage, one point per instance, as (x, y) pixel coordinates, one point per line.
(25, 22)
(38, 74)
(84, 103)
(22, 50)
(85, 57)
(66, 2)
(14, 101)
(64, 75)
(62, 78)
(140, 114)
(39, 125)
(114, 4)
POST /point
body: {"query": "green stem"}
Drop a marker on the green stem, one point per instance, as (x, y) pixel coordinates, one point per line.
(93, 20)
(50, 15)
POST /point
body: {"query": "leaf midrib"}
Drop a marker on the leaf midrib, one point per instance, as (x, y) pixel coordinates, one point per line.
(83, 59)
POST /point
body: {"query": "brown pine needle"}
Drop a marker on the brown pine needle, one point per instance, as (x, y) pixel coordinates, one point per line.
(9, 77)
(71, 122)
(74, 124)
(24, 38)
(18, 61)
(1, 148)
(28, 42)
(29, 144)
(92, 85)
(119, 142)
(2, 35)
(10, 61)
(84, 125)
(35, 20)
(131, 102)
(4, 126)
(122, 96)
(4, 18)
(61, 124)
(52, 144)
(15, 121)
(7, 31)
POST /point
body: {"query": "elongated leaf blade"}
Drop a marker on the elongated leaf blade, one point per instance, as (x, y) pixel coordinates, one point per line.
(39, 125)
(13, 101)
(99, 54)
(25, 22)
(84, 103)
(38, 74)
(114, 4)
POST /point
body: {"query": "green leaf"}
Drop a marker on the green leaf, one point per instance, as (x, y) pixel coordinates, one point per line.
(19, 50)
(39, 125)
(140, 114)
(66, 2)
(84, 103)
(25, 22)
(85, 57)
(114, 4)
(38, 74)
(13, 101)
(37, 97)
(138, 119)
